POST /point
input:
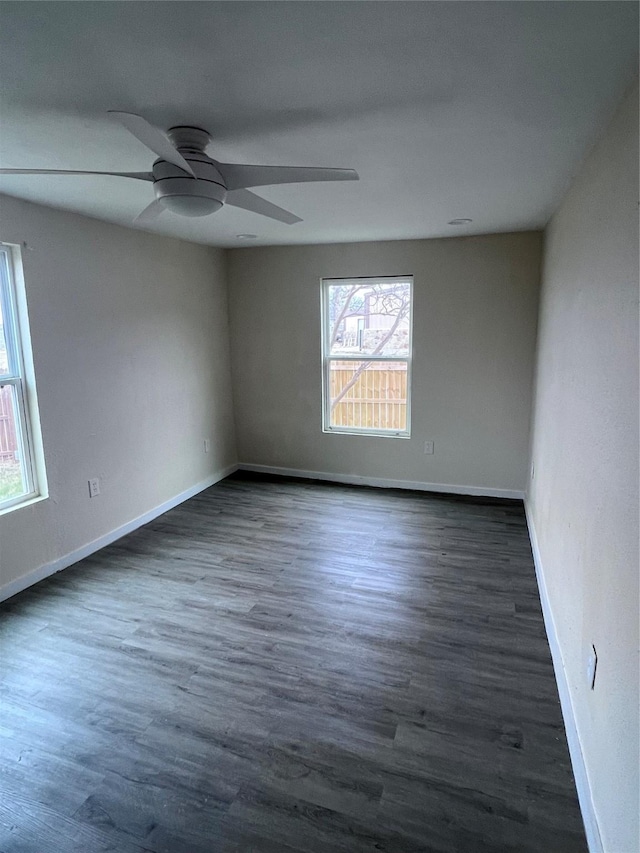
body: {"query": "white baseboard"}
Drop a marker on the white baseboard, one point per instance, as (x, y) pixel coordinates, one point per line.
(17, 585)
(380, 482)
(581, 776)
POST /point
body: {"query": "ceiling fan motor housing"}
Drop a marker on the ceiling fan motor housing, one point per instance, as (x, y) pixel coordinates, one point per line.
(178, 191)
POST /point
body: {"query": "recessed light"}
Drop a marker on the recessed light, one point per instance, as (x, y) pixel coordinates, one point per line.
(459, 221)
(246, 236)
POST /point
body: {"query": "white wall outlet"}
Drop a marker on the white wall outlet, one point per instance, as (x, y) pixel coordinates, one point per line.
(591, 667)
(94, 487)
(207, 445)
(428, 448)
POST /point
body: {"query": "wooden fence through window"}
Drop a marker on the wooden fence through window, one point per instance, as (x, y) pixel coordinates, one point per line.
(8, 438)
(378, 400)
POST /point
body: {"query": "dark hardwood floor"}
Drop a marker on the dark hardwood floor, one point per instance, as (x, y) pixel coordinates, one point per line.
(289, 667)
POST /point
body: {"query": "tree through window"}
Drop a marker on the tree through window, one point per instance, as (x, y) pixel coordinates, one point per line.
(367, 354)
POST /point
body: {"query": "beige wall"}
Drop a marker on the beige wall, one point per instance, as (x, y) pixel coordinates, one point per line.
(475, 307)
(131, 358)
(583, 499)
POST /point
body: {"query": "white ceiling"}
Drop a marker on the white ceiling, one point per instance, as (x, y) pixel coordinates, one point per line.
(446, 109)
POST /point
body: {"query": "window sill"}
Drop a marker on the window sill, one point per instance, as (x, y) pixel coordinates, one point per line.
(369, 433)
(28, 501)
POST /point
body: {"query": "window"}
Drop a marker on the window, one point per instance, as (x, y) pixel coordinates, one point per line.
(18, 480)
(366, 347)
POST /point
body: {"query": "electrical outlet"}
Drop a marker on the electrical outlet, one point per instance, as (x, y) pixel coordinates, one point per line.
(591, 667)
(207, 445)
(94, 487)
(428, 448)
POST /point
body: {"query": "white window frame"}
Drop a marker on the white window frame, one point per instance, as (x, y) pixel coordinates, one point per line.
(16, 336)
(327, 358)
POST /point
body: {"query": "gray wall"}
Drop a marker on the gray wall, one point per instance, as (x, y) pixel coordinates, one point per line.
(131, 358)
(475, 308)
(583, 499)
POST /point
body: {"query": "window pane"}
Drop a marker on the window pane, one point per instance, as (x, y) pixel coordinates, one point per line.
(12, 475)
(369, 317)
(368, 395)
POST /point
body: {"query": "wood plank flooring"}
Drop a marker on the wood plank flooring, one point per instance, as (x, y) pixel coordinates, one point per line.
(289, 667)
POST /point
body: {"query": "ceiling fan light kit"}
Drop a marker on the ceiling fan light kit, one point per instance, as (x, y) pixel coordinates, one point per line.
(201, 195)
(188, 182)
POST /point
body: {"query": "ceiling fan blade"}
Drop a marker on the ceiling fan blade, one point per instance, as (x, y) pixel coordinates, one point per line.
(150, 213)
(248, 201)
(238, 176)
(153, 138)
(141, 176)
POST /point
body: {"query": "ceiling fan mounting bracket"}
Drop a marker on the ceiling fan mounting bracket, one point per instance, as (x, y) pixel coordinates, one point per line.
(189, 138)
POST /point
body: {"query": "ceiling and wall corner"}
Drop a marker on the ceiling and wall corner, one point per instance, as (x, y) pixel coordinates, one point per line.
(471, 110)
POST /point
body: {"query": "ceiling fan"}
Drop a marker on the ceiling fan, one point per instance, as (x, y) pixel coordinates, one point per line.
(189, 182)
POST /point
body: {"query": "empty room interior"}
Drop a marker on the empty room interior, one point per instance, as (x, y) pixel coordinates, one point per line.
(319, 427)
